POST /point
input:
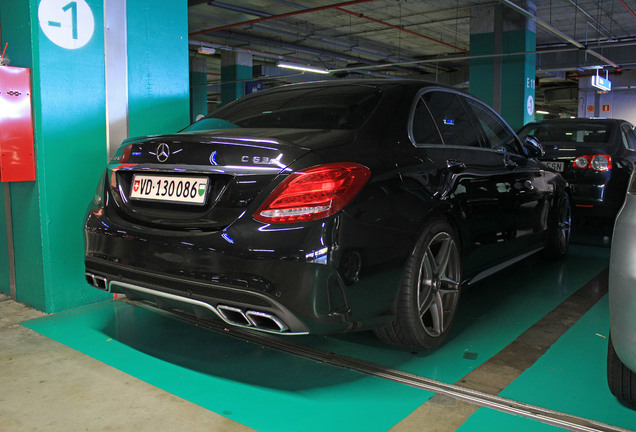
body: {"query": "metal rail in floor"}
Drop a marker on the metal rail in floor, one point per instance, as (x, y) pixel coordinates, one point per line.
(585, 298)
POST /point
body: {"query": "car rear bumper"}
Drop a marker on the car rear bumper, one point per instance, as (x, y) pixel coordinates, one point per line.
(622, 284)
(595, 200)
(209, 276)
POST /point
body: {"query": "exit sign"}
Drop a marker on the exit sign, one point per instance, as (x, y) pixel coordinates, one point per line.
(601, 83)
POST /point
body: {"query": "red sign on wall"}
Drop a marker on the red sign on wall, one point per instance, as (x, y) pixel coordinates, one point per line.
(17, 162)
(605, 107)
(590, 108)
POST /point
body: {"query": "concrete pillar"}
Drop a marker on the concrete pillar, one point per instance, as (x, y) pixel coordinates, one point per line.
(506, 82)
(236, 70)
(63, 43)
(198, 88)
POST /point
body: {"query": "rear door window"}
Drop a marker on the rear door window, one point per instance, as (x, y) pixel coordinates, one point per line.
(450, 118)
(423, 126)
(497, 135)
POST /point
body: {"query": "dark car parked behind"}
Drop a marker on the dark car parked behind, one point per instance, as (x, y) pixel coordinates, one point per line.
(596, 156)
(325, 207)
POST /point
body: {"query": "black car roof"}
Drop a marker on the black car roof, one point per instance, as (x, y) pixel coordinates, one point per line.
(580, 120)
(374, 82)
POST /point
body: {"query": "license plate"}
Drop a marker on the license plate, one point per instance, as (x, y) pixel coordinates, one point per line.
(181, 190)
(557, 166)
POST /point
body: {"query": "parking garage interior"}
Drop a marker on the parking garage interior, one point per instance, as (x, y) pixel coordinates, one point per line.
(528, 350)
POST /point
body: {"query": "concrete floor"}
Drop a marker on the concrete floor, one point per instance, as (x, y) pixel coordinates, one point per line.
(535, 334)
(46, 386)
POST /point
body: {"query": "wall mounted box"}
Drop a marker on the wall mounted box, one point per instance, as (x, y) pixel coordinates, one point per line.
(17, 162)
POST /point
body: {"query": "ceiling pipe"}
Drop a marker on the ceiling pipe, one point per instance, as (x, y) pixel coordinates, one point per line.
(457, 58)
(285, 15)
(339, 45)
(601, 28)
(359, 15)
(559, 33)
(324, 40)
(628, 8)
(299, 48)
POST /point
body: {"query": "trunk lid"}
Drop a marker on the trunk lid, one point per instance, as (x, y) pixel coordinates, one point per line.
(230, 168)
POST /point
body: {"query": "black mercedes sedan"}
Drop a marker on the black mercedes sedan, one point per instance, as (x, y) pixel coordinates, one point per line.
(595, 156)
(323, 208)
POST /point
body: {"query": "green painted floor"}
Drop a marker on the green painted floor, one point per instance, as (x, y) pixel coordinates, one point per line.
(569, 378)
(272, 391)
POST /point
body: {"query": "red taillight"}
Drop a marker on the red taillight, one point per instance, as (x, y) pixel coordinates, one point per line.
(597, 162)
(314, 193)
(126, 155)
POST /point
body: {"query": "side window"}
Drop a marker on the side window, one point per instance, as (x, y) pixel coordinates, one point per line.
(498, 136)
(451, 119)
(629, 139)
(424, 129)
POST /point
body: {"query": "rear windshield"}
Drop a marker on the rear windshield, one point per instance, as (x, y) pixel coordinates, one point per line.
(337, 107)
(574, 132)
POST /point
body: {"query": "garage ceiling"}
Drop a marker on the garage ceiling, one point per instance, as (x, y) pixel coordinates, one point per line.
(406, 38)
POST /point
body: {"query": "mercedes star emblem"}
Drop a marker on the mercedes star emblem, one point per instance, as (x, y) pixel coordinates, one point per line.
(163, 152)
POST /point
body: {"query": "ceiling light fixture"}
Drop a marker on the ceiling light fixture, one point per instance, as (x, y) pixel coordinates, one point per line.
(301, 67)
(542, 112)
(206, 50)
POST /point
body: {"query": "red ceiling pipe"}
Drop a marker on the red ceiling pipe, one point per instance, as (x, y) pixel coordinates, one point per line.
(401, 29)
(628, 8)
(288, 14)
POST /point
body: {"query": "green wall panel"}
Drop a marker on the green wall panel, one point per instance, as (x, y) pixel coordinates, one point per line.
(27, 240)
(158, 87)
(15, 24)
(4, 251)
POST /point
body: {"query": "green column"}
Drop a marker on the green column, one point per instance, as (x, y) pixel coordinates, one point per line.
(506, 82)
(64, 47)
(63, 44)
(198, 87)
(158, 91)
(236, 69)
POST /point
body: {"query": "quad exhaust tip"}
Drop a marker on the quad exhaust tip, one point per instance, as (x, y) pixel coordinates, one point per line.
(97, 281)
(233, 315)
(257, 319)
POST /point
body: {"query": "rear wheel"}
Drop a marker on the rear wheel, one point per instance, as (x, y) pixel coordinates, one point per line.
(621, 380)
(558, 241)
(429, 295)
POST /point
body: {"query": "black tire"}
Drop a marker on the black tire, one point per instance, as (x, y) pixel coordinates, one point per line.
(429, 293)
(621, 380)
(558, 240)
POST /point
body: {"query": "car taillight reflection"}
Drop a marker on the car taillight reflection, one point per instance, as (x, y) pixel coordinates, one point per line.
(314, 193)
(597, 162)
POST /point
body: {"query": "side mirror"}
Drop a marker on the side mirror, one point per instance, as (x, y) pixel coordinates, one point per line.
(532, 147)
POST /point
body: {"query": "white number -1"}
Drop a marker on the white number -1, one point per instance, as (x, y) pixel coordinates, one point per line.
(73, 7)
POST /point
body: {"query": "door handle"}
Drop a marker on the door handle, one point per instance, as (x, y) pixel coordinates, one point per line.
(509, 163)
(455, 166)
